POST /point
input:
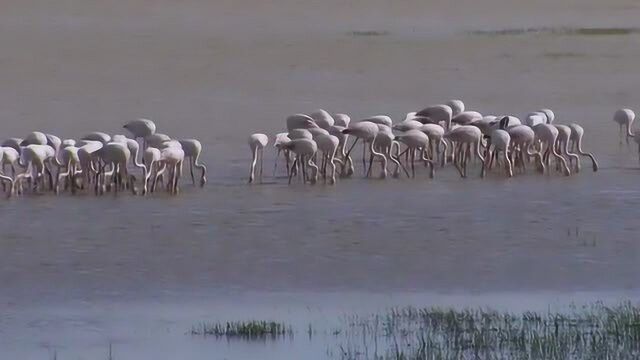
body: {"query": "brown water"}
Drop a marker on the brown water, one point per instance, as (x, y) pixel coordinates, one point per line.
(77, 273)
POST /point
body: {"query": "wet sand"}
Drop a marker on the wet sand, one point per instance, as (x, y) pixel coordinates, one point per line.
(221, 71)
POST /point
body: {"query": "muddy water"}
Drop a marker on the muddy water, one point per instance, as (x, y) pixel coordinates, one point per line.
(78, 273)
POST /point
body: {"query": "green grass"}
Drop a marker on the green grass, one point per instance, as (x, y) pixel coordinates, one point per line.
(244, 330)
(594, 332)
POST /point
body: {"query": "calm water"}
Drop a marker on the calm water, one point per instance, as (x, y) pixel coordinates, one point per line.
(77, 273)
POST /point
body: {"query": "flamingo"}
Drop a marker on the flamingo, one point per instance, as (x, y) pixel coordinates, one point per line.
(384, 142)
(300, 134)
(379, 119)
(88, 154)
(300, 121)
(416, 140)
(304, 149)
(468, 135)
(192, 150)
(97, 136)
(3, 177)
(13, 143)
(280, 139)
(116, 155)
(624, 118)
(10, 156)
(562, 143)
(141, 128)
(155, 140)
(34, 158)
(457, 106)
(35, 138)
(466, 117)
(328, 145)
(367, 131)
(152, 159)
(549, 115)
(577, 133)
(522, 140)
(71, 161)
(347, 162)
(257, 142)
(499, 140)
(435, 133)
(486, 124)
(407, 125)
(322, 118)
(437, 114)
(341, 120)
(172, 159)
(546, 135)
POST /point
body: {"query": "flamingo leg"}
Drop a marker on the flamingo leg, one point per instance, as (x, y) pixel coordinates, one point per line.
(261, 163)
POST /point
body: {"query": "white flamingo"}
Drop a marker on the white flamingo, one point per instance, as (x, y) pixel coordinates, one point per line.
(156, 140)
(322, 118)
(116, 155)
(88, 154)
(499, 141)
(172, 159)
(192, 150)
(466, 117)
(562, 144)
(13, 143)
(577, 132)
(546, 136)
(549, 115)
(300, 121)
(305, 150)
(328, 145)
(522, 142)
(4, 177)
(281, 139)
(257, 142)
(141, 128)
(97, 136)
(70, 161)
(437, 114)
(341, 120)
(416, 142)
(152, 159)
(465, 135)
(407, 125)
(457, 106)
(34, 158)
(435, 133)
(367, 131)
(624, 118)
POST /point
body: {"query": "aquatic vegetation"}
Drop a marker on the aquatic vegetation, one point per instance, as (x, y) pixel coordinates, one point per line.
(584, 31)
(593, 332)
(561, 55)
(369, 33)
(244, 330)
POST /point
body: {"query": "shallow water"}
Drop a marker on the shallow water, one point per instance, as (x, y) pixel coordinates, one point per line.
(77, 273)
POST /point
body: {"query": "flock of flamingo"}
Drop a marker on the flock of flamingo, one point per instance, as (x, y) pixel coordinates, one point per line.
(318, 143)
(314, 145)
(98, 161)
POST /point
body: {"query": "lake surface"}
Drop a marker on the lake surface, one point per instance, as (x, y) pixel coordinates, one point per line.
(78, 273)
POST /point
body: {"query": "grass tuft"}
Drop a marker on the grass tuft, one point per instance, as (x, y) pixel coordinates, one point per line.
(369, 33)
(584, 31)
(594, 332)
(244, 330)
